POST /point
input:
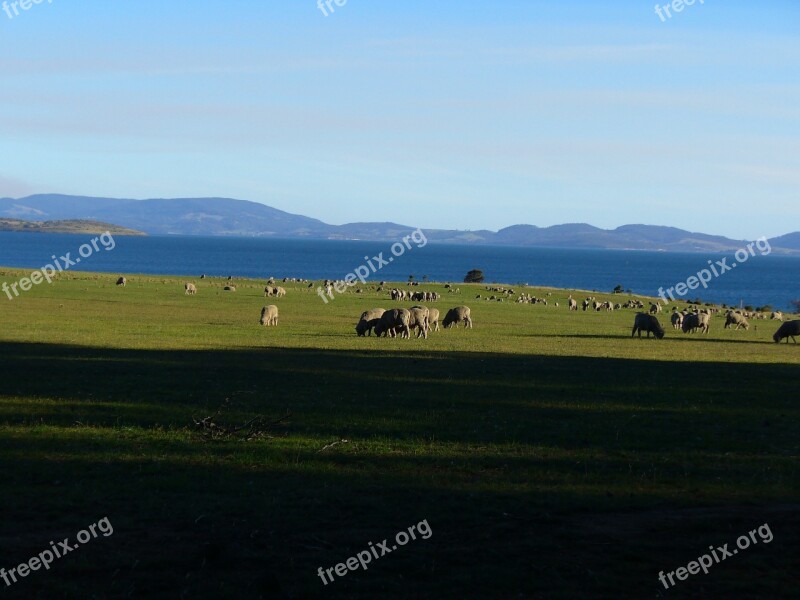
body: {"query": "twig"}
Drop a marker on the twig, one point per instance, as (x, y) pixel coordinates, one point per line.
(331, 445)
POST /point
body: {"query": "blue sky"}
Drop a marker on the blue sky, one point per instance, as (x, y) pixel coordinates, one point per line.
(440, 114)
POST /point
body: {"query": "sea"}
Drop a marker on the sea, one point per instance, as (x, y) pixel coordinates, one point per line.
(762, 279)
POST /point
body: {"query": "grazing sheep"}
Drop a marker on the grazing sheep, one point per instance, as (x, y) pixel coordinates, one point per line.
(368, 321)
(655, 309)
(433, 318)
(393, 320)
(122, 281)
(269, 315)
(696, 321)
(271, 291)
(190, 290)
(279, 292)
(790, 329)
(648, 323)
(734, 318)
(202, 276)
(776, 316)
(677, 320)
(419, 320)
(458, 315)
(230, 288)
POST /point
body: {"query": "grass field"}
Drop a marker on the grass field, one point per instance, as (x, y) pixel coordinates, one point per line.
(551, 455)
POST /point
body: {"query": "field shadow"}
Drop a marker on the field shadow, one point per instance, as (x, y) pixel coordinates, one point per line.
(540, 476)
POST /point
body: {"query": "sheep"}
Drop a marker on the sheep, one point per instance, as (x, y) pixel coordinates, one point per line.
(789, 329)
(279, 292)
(392, 320)
(230, 288)
(734, 318)
(419, 320)
(696, 321)
(368, 320)
(122, 281)
(655, 309)
(677, 320)
(190, 290)
(645, 322)
(776, 316)
(433, 318)
(458, 315)
(269, 315)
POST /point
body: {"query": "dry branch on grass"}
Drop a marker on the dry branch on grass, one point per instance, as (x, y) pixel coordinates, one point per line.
(331, 445)
(210, 428)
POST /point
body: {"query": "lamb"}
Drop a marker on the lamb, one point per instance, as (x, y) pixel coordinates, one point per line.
(393, 320)
(648, 323)
(458, 315)
(696, 321)
(419, 320)
(230, 288)
(368, 321)
(655, 309)
(190, 290)
(734, 318)
(279, 292)
(269, 315)
(789, 329)
(776, 316)
(433, 318)
(122, 281)
(677, 320)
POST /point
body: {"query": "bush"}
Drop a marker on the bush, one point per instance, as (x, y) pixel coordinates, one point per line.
(474, 276)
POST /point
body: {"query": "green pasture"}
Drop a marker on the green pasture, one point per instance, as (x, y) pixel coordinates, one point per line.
(552, 455)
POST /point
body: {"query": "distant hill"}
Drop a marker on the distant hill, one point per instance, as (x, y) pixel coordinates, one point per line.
(229, 217)
(790, 241)
(67, 226)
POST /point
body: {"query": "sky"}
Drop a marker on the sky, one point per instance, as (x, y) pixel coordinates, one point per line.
(438, 114)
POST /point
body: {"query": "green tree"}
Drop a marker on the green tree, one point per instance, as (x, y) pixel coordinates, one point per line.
(474, 276)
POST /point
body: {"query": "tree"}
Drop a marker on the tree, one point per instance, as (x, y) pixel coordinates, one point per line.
(618, 289)
(796, 304)
(474, 276)
(425, 278)
(411, 278)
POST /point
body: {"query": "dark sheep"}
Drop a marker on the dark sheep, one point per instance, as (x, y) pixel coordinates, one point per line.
(648, 323)
(790, 329)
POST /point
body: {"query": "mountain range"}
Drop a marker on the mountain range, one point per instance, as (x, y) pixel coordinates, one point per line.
(229, 217)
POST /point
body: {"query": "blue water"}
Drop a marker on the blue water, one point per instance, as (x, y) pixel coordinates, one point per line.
(761, 280)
